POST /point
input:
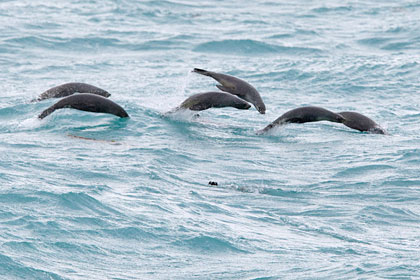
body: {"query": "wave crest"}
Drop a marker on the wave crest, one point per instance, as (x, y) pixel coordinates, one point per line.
(251, 47)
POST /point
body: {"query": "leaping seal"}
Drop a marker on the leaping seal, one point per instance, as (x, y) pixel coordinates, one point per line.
(87, 102)
(237, 87)
(303, 115)
(69, 89)
(361, 122)
(213, 99)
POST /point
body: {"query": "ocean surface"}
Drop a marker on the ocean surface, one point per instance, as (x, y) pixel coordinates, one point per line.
(93, 196)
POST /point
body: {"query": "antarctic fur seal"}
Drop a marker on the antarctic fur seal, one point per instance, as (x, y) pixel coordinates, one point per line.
(303, 115)
(237, 87)
(213, 99)
(87, 102)
(69, 89)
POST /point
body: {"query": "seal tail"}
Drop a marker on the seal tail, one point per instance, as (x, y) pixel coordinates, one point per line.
(46, 112)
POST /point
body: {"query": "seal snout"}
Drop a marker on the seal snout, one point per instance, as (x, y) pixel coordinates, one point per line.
(378, 130)
(123, 114)
(261, 109)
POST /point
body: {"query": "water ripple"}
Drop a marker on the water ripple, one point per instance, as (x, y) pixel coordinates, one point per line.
(91, 196)
(252, 47)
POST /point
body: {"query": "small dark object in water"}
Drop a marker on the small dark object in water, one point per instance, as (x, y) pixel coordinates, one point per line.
(211, 183)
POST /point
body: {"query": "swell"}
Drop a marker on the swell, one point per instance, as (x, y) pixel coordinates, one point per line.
(94, 43)
(207, 244)
(252, 47)
(366, 171)
(15, 269)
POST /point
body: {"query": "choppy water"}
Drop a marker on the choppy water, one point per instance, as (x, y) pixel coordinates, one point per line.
(310, 201)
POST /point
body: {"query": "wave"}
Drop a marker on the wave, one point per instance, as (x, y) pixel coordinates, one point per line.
(338, 9)
(383, 214)
(389, 43)
(82, 201)
(251, 47)
(52, 43)
(208, 244)
(130, 232)
(374, 41)
(399, 46)
(14, 269)
(365, 170)
(296, 33)
(94, 43)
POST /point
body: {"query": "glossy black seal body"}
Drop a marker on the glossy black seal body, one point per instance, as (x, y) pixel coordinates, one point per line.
(87, 102)
(71, 88)
(305, 114)
(213, 99)
(237, 87)
(361, 122)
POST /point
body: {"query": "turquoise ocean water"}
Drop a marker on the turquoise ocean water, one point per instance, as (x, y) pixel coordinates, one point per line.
(317, 200)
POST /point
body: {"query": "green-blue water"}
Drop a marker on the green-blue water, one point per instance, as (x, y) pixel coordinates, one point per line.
(317, 200)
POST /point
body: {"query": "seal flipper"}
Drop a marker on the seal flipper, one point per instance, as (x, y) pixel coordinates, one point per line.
(223, 88)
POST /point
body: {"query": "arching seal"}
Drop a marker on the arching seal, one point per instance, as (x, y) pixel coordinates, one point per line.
(213, 99)
(237, 87)
(361, 122)
(87, 102)
(303, 115)
(69, 89)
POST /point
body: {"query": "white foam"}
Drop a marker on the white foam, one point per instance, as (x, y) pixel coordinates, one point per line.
(181, 114)
(31, 123)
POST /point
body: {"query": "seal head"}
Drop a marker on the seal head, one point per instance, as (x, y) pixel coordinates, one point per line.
(362, 123)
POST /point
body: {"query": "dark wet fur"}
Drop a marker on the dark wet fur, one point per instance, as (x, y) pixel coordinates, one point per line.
(304, 115)
(360, 122)
(69, 89)
(237, 87)
(87, 102)
(206, 100)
